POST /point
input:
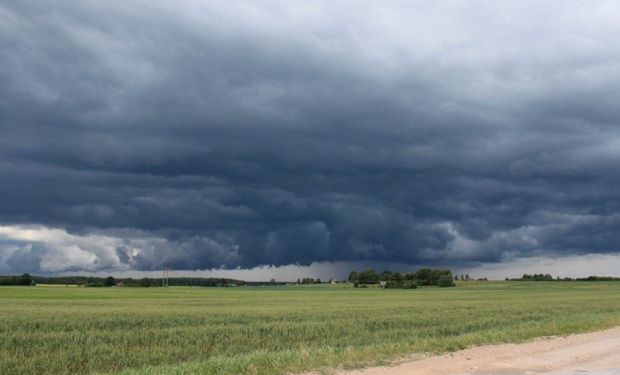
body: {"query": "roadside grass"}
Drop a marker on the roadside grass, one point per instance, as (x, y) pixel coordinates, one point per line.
(280, 329)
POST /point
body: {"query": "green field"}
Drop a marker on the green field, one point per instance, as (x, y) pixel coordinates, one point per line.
(279, 329)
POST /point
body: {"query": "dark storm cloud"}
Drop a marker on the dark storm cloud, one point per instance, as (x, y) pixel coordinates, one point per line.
(236, 135)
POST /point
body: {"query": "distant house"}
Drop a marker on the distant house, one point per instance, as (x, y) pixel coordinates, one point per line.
(383, 284)
(119, 284)
(333, 280)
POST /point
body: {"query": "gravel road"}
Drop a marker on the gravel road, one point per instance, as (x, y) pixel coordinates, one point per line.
(595, 353)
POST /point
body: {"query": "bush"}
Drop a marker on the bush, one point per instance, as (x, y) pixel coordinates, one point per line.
(445, 281)
(410, 284)
(109, 281)
(356, 284)
(393, 285)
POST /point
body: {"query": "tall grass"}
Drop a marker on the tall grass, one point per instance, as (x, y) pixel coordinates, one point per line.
(58, 330)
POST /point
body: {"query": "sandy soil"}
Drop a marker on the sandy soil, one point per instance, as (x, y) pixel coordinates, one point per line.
(590, 353)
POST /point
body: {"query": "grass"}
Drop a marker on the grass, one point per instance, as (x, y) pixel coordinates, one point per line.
(270, 330)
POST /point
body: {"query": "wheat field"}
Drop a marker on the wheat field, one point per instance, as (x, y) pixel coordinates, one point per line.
(280, 329)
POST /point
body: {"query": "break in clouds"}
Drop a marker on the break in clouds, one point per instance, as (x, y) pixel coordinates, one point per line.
(240, 134)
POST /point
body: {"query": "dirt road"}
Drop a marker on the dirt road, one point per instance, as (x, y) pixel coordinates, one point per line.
(590, 353)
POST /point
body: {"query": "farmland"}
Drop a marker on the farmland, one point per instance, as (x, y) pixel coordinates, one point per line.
(266, 330)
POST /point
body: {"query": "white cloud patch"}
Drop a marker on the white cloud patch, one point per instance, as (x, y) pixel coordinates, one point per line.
(44, 249)
(52, 250)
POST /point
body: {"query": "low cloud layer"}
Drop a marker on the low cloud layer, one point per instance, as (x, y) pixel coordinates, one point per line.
(238, 135)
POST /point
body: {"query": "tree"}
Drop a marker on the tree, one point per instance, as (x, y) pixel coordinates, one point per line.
(386, 276)
(353, 276)
(410, 284)
(25, 279)
(423, 275)
(467, 277)
(368, 277)
(109, 281)
(445, 281)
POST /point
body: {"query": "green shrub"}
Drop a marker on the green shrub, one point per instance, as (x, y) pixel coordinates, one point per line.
(393, 285)
(445, 281)
(410, 284)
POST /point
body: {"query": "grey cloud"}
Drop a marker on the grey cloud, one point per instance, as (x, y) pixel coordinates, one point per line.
(239, 135)
(24, 258)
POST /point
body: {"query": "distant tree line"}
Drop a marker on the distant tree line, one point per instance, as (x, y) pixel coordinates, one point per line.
(24, 279)
(598, 278)
(548, 277)
(421, 277)
(109, 281)
(537, 277)
(308, 280)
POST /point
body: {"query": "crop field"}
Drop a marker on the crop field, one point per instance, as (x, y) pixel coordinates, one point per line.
(279, 329)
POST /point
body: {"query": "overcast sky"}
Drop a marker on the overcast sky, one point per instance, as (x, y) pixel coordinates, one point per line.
(473, 135)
